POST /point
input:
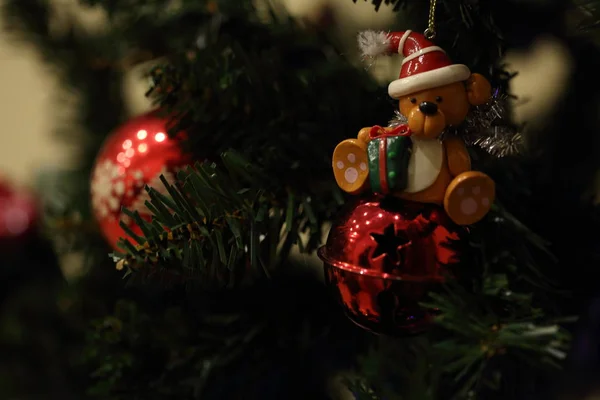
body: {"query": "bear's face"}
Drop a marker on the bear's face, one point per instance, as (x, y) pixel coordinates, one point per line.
(430, 111)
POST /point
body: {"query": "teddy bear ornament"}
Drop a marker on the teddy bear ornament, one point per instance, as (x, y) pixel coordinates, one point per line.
(414, 161)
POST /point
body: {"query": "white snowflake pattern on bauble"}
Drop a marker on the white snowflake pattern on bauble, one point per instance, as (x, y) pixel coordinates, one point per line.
(107, 189)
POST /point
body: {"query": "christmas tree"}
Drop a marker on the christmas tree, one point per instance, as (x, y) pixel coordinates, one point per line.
(201, 221)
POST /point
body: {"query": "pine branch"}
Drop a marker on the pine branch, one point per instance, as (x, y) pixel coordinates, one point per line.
(472, 348)
(478, 334)
(243, 79)
(506, 316)
(508, 248)
(163, 27)
(590, 15)
(219, 345)
(224, 224)
(121, 341)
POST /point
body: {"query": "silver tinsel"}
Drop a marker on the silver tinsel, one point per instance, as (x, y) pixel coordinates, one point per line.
(398, 119)
(486, 126)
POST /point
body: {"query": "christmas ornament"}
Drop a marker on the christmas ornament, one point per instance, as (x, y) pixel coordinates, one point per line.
(383, 255)
(414, 161)
(134, 156)
(18, 214)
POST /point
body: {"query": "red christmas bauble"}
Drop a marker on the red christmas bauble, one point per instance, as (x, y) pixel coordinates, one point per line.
(136, 154)
(18, 214)
(383, 255)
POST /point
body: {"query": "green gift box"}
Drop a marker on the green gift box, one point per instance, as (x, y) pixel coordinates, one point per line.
(389, 156)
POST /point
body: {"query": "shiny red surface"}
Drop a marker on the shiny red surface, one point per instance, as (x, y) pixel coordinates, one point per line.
(18, 212)
(134, 155)
(383, 255)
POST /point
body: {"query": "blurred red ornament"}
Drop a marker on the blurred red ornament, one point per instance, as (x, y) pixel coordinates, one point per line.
(136, 154)
(383, 256)
(18, 213)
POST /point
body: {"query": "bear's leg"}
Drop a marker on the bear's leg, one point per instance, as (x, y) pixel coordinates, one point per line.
(350, 165)
(469, 197)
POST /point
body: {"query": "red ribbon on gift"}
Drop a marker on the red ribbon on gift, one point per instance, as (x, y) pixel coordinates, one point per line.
(379, 132)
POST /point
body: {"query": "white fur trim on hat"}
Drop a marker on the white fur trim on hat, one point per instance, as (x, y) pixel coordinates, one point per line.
(427, 80)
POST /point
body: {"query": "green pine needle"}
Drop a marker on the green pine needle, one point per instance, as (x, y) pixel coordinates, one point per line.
(212, 221)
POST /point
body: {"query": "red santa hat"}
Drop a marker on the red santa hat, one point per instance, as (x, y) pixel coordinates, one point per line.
(424, 66)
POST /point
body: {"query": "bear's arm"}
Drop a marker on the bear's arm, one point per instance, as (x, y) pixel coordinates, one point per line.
(364, 135)
(457, 155)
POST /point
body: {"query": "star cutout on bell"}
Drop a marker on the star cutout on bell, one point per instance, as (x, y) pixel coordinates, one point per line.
(389, 244)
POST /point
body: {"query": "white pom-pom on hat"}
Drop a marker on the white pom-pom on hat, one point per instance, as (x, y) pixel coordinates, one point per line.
(373, 43)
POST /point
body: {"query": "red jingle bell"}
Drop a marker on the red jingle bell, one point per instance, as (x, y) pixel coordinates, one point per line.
(383, 255)
(135, 155)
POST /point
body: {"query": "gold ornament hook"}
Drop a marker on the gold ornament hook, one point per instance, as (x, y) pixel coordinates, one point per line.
(430, 31)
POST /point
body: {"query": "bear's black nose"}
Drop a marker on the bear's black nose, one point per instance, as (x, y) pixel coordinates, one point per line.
(428, 108)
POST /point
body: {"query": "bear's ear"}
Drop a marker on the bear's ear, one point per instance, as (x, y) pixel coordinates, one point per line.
(479, 90)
